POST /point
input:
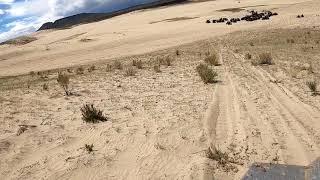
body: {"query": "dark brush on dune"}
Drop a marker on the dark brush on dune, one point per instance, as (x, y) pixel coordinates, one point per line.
(253, 16)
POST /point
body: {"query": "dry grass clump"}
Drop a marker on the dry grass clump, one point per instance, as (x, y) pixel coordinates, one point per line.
(224, 161)
(130, 71)
(134, 62)
(166, 61)
(217, 155)
(85, 40)
(69, 70)
(157, 68)
(88, 148)
(64, 81)
(178, 52)
(212, 59)
(32, 73)
(92, 68)
(207, 74)
(290, 41)
(118, 65)
(90, 114)
(45, 87)
(265, 58)
(137, 64)
(248, 56)
(312, 85)
(109, 68)
(80, 70)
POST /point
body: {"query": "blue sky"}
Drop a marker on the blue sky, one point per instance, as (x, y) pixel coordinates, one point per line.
(20, 17)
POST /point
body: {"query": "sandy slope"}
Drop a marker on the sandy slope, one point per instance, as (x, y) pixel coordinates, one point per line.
(134, 33)
(162, 123)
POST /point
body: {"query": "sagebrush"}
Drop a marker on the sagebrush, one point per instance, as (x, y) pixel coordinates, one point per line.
(90, 114)
(88, 148)
(265, 58)
(212, 59)
(206, 73)
(313, 86)
(64, 81)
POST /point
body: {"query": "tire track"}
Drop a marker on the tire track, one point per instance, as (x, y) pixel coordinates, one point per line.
(297, 142)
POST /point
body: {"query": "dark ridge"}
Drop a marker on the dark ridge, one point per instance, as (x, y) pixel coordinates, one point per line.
(84, 18)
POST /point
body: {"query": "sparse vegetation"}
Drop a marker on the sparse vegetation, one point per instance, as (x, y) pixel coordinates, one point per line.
(290, 41)
(157, 68)
(212, 59)
(139, 64)
(215, 154)
(312, 85)
(45, 87)
(130, 71)
(265, 58)
(64, 81)
(88, 148)
(207, 74)
(178, 52)
(226, 162)
(32, 73)
(166, 61)
(109, 68)
(90, 114)
(248, 56)
(80, 70)
(69, 70)
(117, 65)
(85, 40)
(92, 68)
(134, 63)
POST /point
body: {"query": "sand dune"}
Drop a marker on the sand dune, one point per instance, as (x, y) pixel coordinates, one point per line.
(134, 33)
(161, 124)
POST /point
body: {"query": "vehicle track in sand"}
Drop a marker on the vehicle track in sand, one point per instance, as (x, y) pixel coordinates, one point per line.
(259, 117)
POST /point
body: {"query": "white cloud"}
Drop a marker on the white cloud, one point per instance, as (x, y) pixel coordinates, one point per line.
(41, 11)
(6, 1)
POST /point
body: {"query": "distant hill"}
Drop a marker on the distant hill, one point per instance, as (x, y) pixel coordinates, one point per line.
(94, 17)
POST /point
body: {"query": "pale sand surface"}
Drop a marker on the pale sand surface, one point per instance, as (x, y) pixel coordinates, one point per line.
(161, 124)
(133, 34)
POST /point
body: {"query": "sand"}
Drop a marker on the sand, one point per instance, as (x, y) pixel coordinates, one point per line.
(161, 124)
